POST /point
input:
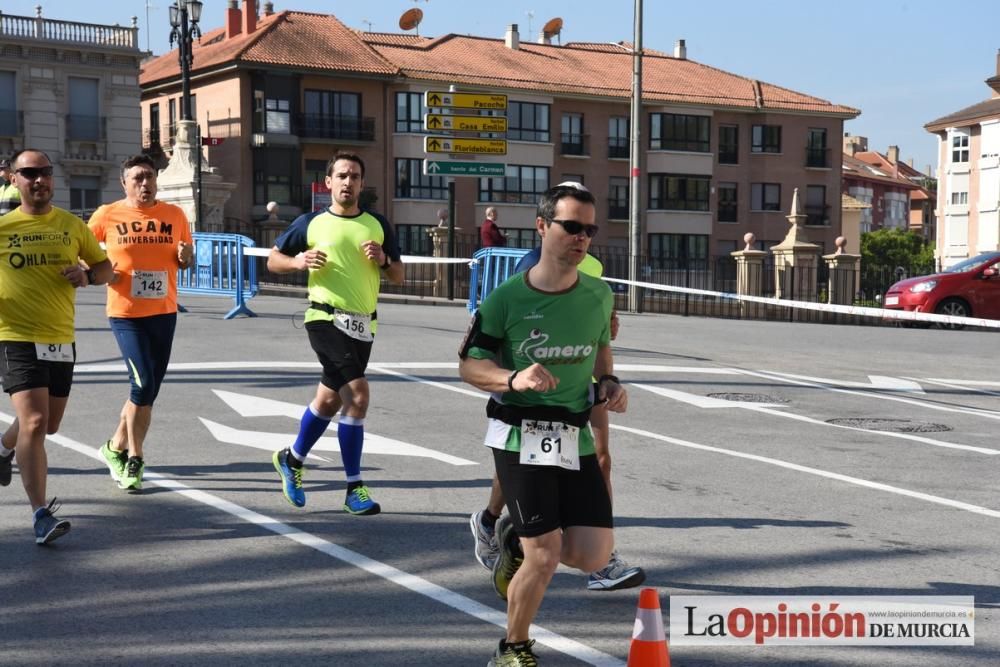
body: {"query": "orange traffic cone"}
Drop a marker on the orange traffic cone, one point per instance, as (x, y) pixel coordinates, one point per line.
(649, 641)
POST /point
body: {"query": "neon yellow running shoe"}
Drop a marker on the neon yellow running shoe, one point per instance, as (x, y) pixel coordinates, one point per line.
(115, 461)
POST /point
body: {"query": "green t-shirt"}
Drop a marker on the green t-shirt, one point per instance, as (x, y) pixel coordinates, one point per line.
(10, 198)
(36, 301)
(561, 331)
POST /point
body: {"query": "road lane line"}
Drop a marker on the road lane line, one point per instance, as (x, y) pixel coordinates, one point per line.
(394, 575)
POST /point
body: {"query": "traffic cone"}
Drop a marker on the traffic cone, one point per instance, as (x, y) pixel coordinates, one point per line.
(649, 641)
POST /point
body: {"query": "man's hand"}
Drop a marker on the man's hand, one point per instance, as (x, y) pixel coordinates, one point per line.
(535, 378)
(374, 252)
(613, 395)
(185, 251)
(310, 259)
(76, 274)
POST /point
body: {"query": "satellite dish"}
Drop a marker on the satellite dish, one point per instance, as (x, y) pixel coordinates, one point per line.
(411, 19)
(552, 28)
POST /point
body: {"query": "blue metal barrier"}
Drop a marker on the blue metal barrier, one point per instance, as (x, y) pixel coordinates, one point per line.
(220, 268)
(491, 267)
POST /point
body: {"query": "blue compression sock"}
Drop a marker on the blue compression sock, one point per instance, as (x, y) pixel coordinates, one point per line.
(351, 434)
(311, 428)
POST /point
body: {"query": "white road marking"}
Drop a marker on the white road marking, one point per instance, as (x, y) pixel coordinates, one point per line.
(957, 504)
(703, 402)
(955, 384)
(394, 575)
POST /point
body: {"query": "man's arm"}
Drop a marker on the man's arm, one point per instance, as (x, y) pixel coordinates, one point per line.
(608, 387)
(487, 375)
(279, 262)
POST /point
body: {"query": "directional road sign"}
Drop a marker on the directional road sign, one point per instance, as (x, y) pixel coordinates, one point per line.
(446, 168)
(442, 122)
(440, 99)
(434, 144)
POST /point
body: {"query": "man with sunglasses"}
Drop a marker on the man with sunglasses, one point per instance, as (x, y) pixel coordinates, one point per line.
(617, 574)
(10, 198)
(535, 343)
(40, 251)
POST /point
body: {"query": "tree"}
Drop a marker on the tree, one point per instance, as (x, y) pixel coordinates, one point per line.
(895, 247)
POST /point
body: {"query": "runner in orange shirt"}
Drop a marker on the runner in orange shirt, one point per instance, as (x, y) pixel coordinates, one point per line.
(147, 241)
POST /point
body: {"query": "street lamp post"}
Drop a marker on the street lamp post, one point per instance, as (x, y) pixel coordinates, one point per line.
(184, 33)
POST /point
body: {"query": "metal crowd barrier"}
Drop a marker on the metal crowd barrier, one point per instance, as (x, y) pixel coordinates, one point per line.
(490, 267)
(221, 268)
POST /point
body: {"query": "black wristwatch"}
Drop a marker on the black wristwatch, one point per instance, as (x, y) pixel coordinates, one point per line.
(91, 276)
(613, 378)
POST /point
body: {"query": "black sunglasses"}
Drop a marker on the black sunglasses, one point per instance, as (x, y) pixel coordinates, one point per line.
(573, 227)
(31, 173)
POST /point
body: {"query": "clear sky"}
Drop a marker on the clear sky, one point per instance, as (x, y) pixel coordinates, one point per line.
(902, 62)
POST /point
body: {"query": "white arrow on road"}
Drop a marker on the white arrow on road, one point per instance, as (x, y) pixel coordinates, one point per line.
(255, 406)
(877, 382)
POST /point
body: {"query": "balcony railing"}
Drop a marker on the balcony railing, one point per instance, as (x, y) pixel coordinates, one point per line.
(11, 123)
(151, 139)
(818, 216)
(85, 128)
(617, 147)
(353, 128)
(818, 157)
(70, 32)
(575, 144)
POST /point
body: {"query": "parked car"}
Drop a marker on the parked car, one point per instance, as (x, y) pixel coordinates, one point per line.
(970, 288)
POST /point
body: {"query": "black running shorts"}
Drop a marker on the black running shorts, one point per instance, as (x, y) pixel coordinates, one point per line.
(21, 369)
(343, 358)
(541, 499)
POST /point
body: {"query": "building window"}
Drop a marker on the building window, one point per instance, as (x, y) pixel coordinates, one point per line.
(410, 112)
(960, 148)
(618, 137)
(959, 198)
(334, 115)
(84, 195)
(521, 185)
(817, 154)
(679, 132)
(172, 118)
(729, 144)
(412, 184)
(527, 121)
(575, 178)
(765, 196)
(315, 172)
(678, 251)
(678, 192)
(277, 117)
(153, 137)
(8, 105)
(276, 177)
(618, 198)
(765, 139)
(572, 134)
(84, 121)
(728, 200)
(414, 239)
(521, 238)
(817, 212)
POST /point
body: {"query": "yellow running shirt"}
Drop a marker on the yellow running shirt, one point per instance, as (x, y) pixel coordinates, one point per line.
(36, 301)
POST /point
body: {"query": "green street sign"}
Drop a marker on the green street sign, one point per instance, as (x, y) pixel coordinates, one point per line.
(446, 168)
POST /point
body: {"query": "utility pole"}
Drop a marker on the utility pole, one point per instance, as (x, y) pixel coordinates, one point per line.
(635, 167)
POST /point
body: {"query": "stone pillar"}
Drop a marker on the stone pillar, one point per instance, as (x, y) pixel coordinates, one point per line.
(749, 268)
(177, 184)
(845, 277)
(795, 259)
(439, 236)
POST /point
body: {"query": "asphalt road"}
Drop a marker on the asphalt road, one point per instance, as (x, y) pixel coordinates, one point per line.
(210, 565)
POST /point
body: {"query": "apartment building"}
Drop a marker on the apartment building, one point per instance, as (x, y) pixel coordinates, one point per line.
(721, 153)
(922, 199)
(891, 188)
(71, 89)
(969, 177)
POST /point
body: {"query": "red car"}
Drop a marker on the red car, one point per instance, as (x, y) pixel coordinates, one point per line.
(970, 288)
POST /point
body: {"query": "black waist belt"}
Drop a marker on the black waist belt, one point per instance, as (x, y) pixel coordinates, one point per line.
(515, 414)
(327, 308)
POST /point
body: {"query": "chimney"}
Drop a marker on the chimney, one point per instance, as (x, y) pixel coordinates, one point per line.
(232, 20)
(893, 154)
(680, 50)
(543, 38)
(249, 16)
(853, 144)
(998, 62)
(268, 8)
(512, 39)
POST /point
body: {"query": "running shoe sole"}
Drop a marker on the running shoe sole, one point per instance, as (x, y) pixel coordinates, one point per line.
(60, 529)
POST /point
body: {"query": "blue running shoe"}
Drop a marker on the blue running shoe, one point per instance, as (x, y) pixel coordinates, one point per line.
(359, 502)
(48, 527)
(291, 478)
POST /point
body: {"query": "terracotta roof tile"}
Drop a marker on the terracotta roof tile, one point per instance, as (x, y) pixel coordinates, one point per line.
(859, 169)
(297, 39)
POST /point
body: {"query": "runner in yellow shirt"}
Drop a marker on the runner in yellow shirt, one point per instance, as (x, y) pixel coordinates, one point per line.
(40, 251)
